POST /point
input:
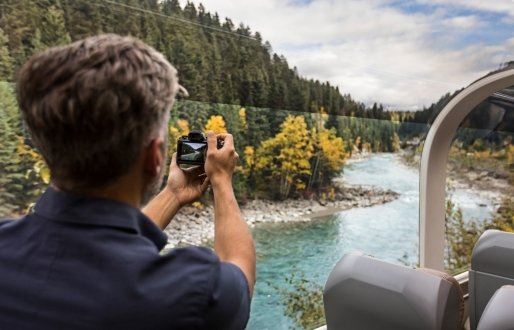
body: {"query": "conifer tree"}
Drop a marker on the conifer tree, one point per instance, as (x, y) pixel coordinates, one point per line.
(6, 63)
(53, 28)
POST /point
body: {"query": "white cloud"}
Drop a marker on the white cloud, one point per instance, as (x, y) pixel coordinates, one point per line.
(464, 22)
(370, 49)
(496, 6)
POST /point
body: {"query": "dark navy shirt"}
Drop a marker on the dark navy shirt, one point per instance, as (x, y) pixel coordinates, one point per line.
(91, 263)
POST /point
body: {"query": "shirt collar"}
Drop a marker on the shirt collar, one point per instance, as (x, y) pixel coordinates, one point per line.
(66, 207)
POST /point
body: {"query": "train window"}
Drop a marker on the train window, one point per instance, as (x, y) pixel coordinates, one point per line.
(479, 177)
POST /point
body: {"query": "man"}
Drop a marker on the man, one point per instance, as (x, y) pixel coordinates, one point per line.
(88, 258)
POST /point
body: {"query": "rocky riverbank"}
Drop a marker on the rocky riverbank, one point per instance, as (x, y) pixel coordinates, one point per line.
(491, 180)
(194, 226)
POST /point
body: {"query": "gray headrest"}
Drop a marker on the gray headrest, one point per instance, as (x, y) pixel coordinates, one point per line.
(493, 253)
(498, 315)
(365, 293)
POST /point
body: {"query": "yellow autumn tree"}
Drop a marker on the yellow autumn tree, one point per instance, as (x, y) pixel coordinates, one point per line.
(216, 124)
(329, 157)
(183, 126)
(285, 158)
(175, 131)
(332, 149)
(249, 160)
(242, 118)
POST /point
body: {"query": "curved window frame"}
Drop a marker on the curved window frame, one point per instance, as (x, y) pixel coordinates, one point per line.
(432, 195)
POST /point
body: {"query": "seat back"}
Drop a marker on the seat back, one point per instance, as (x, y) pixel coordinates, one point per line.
(498, 314)
(492, 266)
(365, 293)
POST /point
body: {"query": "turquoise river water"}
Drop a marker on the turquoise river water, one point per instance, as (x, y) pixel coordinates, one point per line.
(388, 232)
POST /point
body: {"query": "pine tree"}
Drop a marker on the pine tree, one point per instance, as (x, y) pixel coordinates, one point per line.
(11, 187)
(53, 28)
(6, 63)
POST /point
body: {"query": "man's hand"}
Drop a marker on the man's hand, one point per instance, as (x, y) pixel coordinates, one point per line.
(186, 185)
(183, 187)
(220, 163)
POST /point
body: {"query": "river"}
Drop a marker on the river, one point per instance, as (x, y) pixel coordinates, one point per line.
(388, 232)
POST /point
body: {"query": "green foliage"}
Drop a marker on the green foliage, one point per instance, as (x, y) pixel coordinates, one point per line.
(504, 217)
(10, 175)
(6, 64)
(22, 171)
(304, 302)
(54, 28)
(461, 236)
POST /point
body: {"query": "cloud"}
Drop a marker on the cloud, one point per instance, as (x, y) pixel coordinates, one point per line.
(504, 7)
(464, 22)
(372, 49)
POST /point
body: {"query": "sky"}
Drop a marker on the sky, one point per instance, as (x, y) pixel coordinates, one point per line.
(403, 54)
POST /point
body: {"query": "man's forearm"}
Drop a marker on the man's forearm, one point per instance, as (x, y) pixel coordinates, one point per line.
(162, 208)
(232, 238)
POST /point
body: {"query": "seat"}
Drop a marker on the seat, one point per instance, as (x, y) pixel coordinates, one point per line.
(492, 266)
(498, 314)
(366, 293)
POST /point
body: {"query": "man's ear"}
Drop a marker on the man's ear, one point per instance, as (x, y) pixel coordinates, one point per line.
(153, 160)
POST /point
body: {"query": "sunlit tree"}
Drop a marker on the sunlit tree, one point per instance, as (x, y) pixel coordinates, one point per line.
(285, 158)
(216, 124)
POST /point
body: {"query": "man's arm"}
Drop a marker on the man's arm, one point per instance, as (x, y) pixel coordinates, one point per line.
(162, 208)
(232, 238)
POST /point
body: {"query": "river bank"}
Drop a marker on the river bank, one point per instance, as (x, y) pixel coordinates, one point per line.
(194, 225)
(487, 180)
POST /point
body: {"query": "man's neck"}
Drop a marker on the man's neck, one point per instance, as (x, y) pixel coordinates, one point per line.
(125, 189)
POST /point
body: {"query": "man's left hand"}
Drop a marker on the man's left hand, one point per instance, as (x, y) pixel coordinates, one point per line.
(186, 185)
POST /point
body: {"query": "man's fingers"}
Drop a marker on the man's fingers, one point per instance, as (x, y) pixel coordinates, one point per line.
(228, 140)
(194, 171)
(205, 184)
(174, 160)
(211, 141)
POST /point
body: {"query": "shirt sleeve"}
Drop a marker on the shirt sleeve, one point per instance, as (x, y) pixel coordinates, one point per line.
(229, 301)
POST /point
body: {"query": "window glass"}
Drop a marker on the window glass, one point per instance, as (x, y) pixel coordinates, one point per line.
(480, 178)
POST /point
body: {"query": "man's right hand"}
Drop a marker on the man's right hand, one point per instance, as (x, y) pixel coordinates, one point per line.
(220, 163)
